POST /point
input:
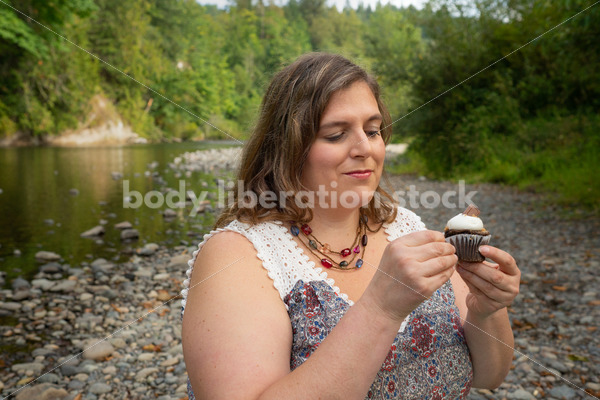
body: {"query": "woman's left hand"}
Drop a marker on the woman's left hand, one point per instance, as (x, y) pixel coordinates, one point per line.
(491, 286)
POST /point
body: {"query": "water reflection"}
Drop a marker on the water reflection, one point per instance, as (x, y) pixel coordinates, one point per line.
(49, 196)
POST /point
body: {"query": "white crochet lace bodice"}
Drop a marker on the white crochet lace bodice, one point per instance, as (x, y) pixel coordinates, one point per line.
(285, 261)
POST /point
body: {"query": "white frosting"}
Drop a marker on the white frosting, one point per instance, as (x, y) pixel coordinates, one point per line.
(465, 222)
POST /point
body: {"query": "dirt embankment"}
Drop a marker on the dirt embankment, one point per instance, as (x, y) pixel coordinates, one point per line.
(103, 126)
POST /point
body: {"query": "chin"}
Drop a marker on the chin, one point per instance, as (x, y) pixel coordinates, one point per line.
(355, 198)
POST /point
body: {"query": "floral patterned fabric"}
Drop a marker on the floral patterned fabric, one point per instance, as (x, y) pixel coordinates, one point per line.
(429, 359)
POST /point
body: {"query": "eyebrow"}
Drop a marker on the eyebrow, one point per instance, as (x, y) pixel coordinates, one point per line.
(333, 124)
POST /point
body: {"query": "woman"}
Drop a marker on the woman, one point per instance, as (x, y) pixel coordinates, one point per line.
(301, 294)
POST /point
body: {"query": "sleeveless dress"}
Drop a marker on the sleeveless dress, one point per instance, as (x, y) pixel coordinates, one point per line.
(429, 358)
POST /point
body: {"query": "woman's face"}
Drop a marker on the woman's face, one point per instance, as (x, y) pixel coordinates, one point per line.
(345, 162)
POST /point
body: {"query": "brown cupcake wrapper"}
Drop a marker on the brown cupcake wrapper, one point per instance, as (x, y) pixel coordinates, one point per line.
(467, 246)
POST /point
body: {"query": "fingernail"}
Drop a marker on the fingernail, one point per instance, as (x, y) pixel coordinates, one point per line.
(484, 249)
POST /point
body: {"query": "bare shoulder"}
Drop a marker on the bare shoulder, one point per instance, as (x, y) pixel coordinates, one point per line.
(236, 331)
(223, 250)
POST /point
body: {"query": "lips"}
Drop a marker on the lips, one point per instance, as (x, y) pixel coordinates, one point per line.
(360, 173)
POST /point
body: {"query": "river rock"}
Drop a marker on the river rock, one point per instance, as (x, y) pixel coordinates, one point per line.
(148, 250)
(124, 225)
(562, 392)
(169, 362)
(11, 306)
(100, 388)
(46, 256)
(74, 192)
(520, 394)
(97, 351)
(161, 277)
(168, 213)
(44, 391)
(49, 378)
(43, 284)
(116, 175)
(95, 231)
(65, 285)
(51, 268)
(101, 265)
(20, 283)
(85, 296)
(180, 261)
(70, 370)
(128, 234)
(143, 374)
(35, 367)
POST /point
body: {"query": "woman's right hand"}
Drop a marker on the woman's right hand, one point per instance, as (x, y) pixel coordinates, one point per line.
(412, 268)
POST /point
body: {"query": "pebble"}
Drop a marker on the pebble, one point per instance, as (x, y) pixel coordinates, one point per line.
(520, 394)
(43, 284)
(144, 373)
(123, 225)
(46, 256)
(20, 284)
(169, 362)
(146, 357)
(93, 232)
(100, 388)
(44, 391)
(35, 367)
(562, 392)
(97, 351)
(86, 296)
(65, 285)
(11, 306)
(161, 277)
(69, 370)
(129, 234)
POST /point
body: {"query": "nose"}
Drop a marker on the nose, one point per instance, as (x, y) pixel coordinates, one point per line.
(361, 146)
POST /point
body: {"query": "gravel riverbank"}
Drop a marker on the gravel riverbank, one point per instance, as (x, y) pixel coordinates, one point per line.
(46, 323)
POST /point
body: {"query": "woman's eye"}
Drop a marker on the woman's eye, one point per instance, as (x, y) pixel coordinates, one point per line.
(373, 133)
(335, 137)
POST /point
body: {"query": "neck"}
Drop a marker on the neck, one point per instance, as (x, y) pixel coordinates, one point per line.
(337, 226)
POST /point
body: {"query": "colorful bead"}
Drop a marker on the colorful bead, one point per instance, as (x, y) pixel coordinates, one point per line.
(295, 230)
(359, 263)
(345, 252)
(312, 244)
(306, 229)
(357, 249)
(344, 264)
(326, 263)
(364, 240)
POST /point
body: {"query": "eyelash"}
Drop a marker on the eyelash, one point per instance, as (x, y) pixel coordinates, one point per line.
(335, 138)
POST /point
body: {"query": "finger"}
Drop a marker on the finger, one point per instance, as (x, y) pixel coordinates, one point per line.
(433, 250)
(439, 265)
(472, 288)
(505, 261)
(485, 287)
(421, 237)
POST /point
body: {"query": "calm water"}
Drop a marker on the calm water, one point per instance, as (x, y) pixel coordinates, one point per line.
(40, 211)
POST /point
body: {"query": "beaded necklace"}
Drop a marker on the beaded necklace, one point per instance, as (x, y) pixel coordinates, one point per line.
(315, 246)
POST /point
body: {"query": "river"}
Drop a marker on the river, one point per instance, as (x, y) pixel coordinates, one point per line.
(50, 195)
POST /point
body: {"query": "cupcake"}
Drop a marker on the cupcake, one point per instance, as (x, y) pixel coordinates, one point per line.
(466, 233)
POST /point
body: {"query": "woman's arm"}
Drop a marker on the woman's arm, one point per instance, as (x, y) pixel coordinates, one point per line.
(237, 335)
(483, 291)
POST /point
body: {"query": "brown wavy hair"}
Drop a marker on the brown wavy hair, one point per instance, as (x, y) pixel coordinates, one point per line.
(288, 122)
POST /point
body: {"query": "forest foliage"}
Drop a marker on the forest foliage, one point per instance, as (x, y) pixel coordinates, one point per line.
(169, 67)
